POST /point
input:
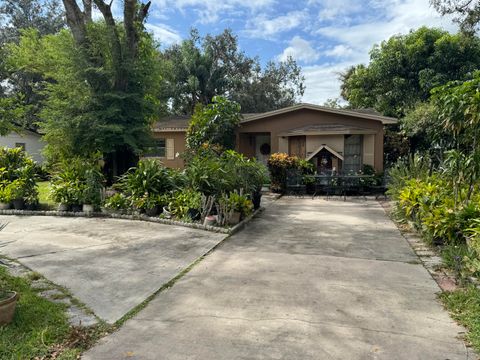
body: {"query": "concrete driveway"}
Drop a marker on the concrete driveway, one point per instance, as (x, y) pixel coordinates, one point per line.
(111, 265)
(308, 279)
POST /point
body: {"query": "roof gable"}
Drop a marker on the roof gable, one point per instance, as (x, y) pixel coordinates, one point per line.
(352, 113)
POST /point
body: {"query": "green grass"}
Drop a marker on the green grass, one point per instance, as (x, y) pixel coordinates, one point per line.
(464, 306)
(44, 193)
(37, 326)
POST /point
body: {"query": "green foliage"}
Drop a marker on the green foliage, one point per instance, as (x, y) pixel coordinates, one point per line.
(200, 68)
(85, 108)
(214, 124)
(280, 163)
(78, 181)
(464, 306)
(184, 201)
(405, 68)
(236, 201)
(214, 174)
(148, 177)
(18, 175)
(38, 323)
(117, 201)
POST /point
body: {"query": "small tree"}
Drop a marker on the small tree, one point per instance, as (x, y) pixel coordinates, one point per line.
(214, 124)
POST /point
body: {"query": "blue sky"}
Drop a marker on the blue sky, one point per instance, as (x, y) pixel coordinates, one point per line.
(324, 36)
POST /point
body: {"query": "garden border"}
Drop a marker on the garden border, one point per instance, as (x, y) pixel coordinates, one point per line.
(136, 217)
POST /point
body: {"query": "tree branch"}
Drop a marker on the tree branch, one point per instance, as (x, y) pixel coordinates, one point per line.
(75, 20)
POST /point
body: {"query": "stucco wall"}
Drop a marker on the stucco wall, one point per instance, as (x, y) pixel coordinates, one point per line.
(335, 142)
(178, 148)
(282, 123)
(33, 144)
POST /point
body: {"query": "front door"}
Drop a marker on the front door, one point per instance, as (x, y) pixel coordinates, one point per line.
(297, 146)
(262, 148)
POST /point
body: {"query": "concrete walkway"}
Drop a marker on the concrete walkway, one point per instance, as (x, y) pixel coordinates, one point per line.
(308, 279)
(111, 265)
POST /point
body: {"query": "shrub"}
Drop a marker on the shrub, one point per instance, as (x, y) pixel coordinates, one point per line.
(78, 181)
(148, 177)
(280, 163)
(19, 173)
(117, 202)
(185, 204)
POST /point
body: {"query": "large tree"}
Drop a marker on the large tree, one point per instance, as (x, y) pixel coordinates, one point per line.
(19, 95)
(403, 70)
(201, 68)
(466, 12)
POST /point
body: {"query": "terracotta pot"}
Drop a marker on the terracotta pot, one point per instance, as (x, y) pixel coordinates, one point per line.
(4, 206)
(210, 220)
(7, 308)
(235, 218)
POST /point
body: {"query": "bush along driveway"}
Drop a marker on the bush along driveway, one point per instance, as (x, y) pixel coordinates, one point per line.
(307, 279)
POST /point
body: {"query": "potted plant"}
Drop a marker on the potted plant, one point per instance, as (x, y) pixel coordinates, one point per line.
(240, 206)
(17, 193)
(92, 188)
(8, 302)
(61, 195)
(5, 198)
(149, 204)
(116, 203)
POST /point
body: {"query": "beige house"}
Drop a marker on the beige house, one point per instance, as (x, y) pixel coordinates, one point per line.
(333, 139)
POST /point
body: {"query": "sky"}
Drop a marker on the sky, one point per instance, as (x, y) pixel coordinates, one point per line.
(324, 36)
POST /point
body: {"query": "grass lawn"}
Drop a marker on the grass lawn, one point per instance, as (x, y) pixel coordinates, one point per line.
(37, 327)
(44, 193)
(464, 306)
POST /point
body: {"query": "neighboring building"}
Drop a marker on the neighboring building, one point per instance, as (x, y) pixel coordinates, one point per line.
(333, 139)
(30, 141)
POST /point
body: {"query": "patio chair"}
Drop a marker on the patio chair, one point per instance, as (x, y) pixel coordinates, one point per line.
(294, 183)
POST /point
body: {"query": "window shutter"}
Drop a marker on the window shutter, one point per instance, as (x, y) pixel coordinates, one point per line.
(170, 149)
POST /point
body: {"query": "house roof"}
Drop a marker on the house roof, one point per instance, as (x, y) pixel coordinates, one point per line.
(180, 122)
(172, 123)
(326, 147)
(360, 113)
(327, 129)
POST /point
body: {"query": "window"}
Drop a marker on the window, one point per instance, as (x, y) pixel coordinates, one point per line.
(353, 153)
(21, 145)
(157, 150)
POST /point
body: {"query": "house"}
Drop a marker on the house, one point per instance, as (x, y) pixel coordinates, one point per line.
(333, 139)
(28, 140)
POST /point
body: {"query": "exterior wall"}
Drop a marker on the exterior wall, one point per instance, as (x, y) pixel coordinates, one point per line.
(178, 138)
(32, 141)
(335, 142)
(369, 150)
(287, 121)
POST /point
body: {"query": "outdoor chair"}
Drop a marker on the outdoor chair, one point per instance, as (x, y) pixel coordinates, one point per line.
(294, 183)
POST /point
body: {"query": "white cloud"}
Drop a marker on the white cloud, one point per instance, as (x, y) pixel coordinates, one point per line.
(209, 11)
(341, 51)
(166, 35)
(353, 42)
(262, 27)
(300, 50)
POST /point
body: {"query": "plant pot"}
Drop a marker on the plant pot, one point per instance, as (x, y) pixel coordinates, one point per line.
(210, 220)
(256, 199)
(167, 213)
(4, 206)
(152, 212)
(18, 204)
(7, 308)
(76, 208)
(87, 208)
(63, 207)
(194, 214)
(234, 219)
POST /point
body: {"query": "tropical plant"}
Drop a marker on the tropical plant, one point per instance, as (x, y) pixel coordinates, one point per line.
(236, 201)
(184, 203)
(148, 177)
(117, 202)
